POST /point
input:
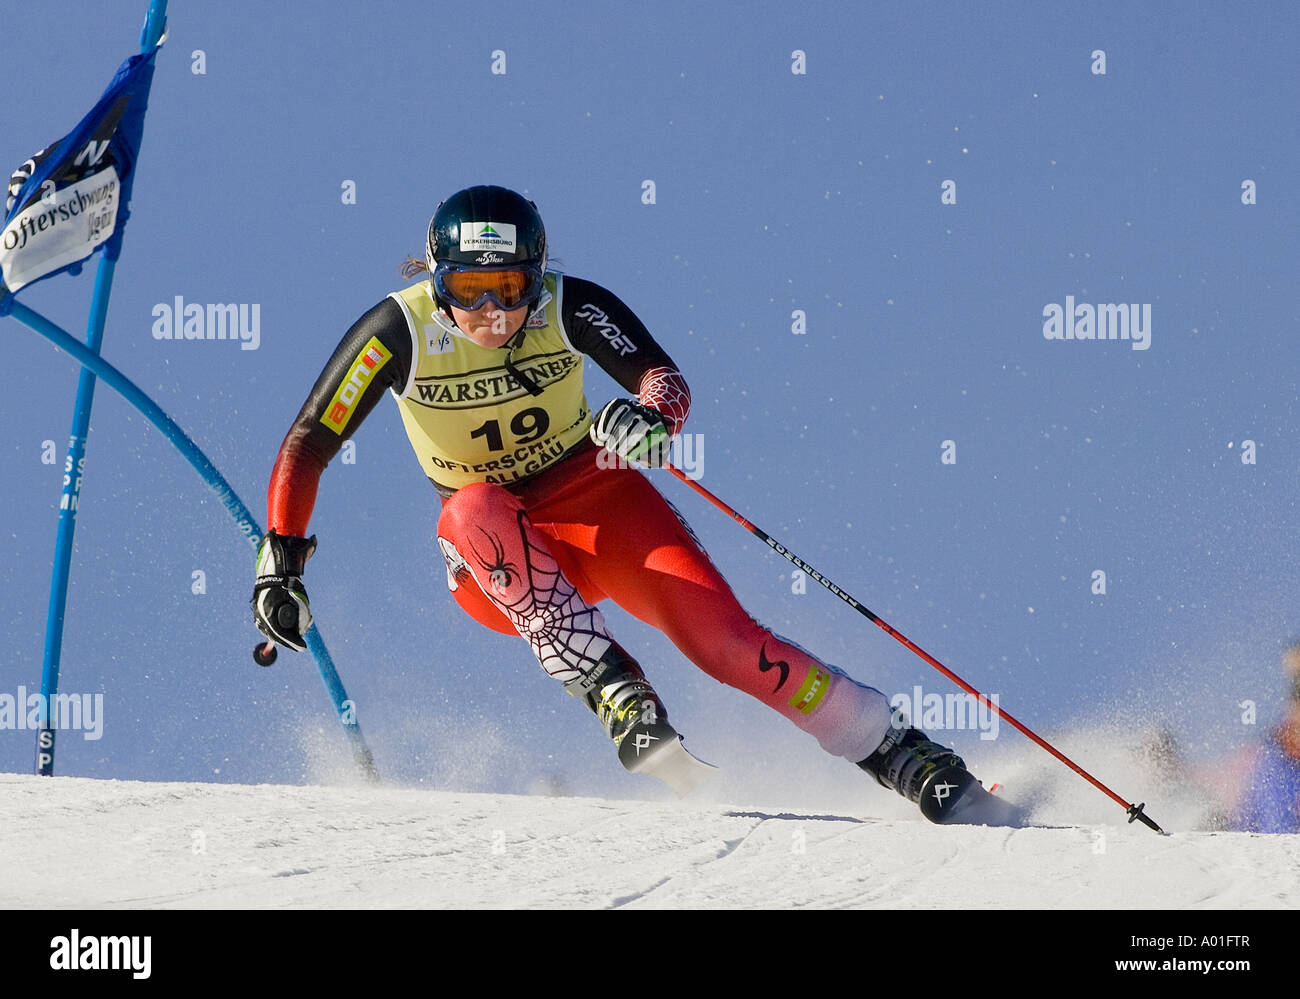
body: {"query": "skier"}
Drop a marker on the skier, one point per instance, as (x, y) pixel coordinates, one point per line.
(1271, 796)
(544, 509)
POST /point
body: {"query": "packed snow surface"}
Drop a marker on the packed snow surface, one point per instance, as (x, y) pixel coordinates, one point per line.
(78, 842)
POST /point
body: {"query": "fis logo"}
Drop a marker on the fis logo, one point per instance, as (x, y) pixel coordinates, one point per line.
(437, 340)
(372, 357)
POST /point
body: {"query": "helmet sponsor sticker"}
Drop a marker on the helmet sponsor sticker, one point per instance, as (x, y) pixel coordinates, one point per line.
(372, 357)
(477, 236)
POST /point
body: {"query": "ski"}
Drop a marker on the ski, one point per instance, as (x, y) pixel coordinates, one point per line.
(666, 759)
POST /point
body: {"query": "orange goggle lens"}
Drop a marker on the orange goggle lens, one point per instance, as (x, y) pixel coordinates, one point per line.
(470, 289)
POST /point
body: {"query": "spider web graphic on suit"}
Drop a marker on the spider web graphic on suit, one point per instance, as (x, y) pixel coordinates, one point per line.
(567, 634)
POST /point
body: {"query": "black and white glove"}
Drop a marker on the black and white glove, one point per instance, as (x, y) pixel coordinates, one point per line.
(636, 432)
(280, 605)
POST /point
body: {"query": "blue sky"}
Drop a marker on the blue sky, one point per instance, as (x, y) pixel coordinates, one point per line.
(774, 191)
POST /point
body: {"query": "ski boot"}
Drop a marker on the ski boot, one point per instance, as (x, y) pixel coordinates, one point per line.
(931, 775)
(619, 695)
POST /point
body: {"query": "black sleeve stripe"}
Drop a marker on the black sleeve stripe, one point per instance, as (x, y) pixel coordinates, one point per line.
(415, 348)
(559, 312)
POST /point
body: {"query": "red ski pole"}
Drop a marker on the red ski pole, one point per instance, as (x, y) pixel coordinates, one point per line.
(1134, 811)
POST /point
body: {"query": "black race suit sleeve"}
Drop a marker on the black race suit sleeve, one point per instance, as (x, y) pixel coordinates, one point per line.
(310, 444)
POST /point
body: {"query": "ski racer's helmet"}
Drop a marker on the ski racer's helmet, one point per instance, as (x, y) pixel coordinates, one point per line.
(486, 243)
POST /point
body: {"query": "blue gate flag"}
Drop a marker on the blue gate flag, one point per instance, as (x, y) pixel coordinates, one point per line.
(71, 197)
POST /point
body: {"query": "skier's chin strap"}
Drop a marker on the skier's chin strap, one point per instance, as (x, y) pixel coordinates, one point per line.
(519, 375)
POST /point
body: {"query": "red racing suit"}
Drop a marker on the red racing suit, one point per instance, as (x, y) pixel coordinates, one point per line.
(538, 525)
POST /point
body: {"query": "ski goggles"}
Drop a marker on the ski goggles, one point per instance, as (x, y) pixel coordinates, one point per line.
(469, 289)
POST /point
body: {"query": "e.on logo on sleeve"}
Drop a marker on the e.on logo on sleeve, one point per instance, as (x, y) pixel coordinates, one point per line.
(372, 357)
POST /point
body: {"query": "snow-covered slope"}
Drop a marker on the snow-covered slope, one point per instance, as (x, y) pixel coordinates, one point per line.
(78, 842)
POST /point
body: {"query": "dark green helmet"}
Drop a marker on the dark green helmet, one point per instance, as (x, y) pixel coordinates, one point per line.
(488, 227)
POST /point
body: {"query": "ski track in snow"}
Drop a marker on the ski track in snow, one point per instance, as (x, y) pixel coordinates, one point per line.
(78, 842)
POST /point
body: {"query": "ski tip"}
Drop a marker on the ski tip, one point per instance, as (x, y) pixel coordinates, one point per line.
(674, 765)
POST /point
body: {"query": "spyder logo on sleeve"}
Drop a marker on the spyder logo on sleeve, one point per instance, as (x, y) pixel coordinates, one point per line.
(599, 318)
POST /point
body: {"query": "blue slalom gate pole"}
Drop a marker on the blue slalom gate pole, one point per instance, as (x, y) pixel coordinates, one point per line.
(113, 128)
(75, 463)
(244, 520)
(72, 469)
